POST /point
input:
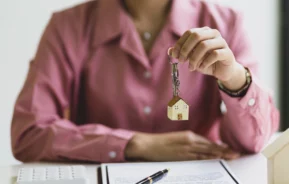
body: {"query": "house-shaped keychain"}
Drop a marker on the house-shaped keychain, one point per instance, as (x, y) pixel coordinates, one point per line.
(178, 109)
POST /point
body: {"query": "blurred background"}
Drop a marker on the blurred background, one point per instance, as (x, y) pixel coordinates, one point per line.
(22, 23)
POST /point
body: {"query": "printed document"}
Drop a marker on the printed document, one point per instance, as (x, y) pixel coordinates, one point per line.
(188, 172)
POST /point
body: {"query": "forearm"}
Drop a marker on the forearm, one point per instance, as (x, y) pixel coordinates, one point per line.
(60, 139)
(250, 120)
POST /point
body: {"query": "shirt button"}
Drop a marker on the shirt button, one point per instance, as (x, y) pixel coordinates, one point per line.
(147, 74)
(223, 107)
(112, 154)
(251, 102)
(147, 110)
(147, 35)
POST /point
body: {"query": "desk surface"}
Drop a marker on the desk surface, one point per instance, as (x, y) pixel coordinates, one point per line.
(249, 169)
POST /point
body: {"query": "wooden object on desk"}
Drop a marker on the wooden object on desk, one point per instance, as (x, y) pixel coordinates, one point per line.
(178, 109)
(277, 154)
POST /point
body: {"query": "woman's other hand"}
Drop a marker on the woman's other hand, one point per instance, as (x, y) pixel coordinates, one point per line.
(175, 146)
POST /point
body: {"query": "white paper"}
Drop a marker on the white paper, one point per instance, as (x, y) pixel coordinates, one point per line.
(197, 172)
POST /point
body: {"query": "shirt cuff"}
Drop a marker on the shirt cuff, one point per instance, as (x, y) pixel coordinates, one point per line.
(251, 101)
(114, 148)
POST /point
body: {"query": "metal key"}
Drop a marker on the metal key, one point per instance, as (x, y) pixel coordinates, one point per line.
(175, 77)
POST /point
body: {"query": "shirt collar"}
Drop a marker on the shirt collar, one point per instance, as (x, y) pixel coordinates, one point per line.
(111, 19)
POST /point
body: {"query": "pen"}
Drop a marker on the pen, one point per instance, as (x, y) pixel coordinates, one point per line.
(154, 178)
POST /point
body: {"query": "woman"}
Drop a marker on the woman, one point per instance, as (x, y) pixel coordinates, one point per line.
(100, 83)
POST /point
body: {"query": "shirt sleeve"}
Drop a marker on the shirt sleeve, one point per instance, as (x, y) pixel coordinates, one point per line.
(251, 120)
(39, 128)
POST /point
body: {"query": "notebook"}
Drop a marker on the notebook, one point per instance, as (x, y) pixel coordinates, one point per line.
(186, 172)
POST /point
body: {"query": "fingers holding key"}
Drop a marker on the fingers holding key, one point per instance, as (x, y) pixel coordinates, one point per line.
(195, 38)
(190, 40)
(175, 53)
(213, 57)
(207, 53)
(203, 49)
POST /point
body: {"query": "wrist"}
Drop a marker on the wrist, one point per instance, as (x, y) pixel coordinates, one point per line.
(237, 80)
(136, 147)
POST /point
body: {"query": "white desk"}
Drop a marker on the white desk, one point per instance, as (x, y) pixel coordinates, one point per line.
(250, 170)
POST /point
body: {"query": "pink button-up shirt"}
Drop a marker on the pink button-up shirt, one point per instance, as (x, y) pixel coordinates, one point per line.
(91, 86)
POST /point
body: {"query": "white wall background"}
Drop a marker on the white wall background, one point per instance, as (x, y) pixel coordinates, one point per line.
(22, 23)
(262, 24)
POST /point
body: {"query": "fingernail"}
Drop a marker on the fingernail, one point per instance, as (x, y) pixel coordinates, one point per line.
(233, 155)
